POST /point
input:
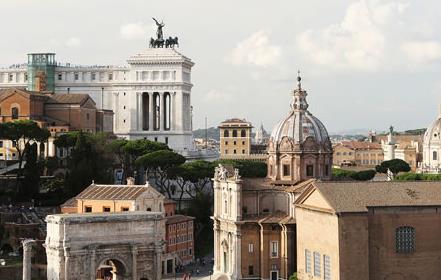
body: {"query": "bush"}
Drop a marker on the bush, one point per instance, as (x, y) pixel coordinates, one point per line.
(409, 176)
(247, 168)
(343, 174)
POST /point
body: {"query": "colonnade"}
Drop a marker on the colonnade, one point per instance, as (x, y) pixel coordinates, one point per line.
(155, 111)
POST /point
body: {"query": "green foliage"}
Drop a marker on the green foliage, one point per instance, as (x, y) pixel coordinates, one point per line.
(32, 171)
(410, 176)
(87, 162)
(293, 276)
(364, 175)
(162, 159)
(247, 168)
(197, 170)
(394, 165)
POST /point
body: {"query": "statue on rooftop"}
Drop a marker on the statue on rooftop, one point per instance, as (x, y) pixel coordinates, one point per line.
(159, 33)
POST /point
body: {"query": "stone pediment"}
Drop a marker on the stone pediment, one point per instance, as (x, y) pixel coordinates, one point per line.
(286, 145)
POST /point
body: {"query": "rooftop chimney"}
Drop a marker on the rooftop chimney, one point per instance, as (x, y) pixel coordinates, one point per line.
(130, 181)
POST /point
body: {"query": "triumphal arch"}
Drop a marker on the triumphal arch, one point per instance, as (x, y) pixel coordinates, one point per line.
(118, 246)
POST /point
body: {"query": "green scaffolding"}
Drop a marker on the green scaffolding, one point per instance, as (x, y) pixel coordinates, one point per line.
(41, 71)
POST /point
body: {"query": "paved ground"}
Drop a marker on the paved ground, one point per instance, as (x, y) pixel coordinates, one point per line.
(197, 271)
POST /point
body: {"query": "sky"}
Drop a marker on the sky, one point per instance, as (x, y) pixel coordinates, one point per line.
(366, 64)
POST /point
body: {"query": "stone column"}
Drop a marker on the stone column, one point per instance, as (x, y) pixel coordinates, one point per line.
(134, 262)
(151, 111)
(66, 263)
(139, 111)
(161, 111)
(216, 244)
(27, 256)
(238, 257)
(158, 261)
(92, 264)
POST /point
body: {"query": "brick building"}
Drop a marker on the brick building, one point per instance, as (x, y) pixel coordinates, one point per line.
(369, 230)
(59, 113)
(120, 198)
(365, 154)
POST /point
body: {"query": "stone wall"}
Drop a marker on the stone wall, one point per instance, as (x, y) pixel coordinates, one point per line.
(77, 244)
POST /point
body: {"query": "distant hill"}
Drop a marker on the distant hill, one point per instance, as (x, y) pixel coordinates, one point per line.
(418, 131)
(212, 132)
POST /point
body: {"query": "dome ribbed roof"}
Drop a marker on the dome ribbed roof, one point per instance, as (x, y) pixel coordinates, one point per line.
(432, 134)
(300, 123)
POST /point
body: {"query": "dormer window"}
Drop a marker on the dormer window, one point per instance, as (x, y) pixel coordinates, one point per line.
(286, 170)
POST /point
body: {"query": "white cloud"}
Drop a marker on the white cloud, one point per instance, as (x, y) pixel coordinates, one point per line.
(135, 31)
(422, 51)
(73, 42)
(359, 41)
(256, 50)
(215, 95)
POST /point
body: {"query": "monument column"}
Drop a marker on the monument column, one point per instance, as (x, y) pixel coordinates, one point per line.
(66, 263)
(92, 264)
(158, 261)
(27, 257)
(173, 110)
(134, 262)
(151, 111)
(161, 111)
(139, 111)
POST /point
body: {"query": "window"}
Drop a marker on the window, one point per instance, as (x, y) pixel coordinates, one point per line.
(26, 77)
(226, 133)
(87, 116)
(317, 264)
(326, 267)
(226, 151)
(405, 240)
(243, 142)
(14, 144)
(156, 139)
(1, 144)
(124, 209)
(234, 133)
(274, 249)
(250, 270)
(234, 143)
(76, 76)
(106, 209)
(286, 170)
(234, 151)
(11, 77)
(326, 169)
(87, 209)
(110, 76)
(60, 77)
(93, 76)
(307, 261)
(226, 143)
(435, 155)
(149, 209)
(243, 151)
(225, 207)
(14, 113)
(166, 140)
(250, 248)
(310, 170)
(243, 133)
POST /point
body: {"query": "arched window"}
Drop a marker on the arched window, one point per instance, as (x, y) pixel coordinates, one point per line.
(14, 113)
(226, 133)
(405, 240)
(243, 133)
(234, 133)
(435, 155)
(149, 209)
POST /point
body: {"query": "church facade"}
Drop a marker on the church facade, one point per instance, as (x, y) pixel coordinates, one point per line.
(150, 97)
(254, 218)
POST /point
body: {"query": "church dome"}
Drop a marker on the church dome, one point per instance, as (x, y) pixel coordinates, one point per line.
(432, 134)
(300, 124)
(432, 147)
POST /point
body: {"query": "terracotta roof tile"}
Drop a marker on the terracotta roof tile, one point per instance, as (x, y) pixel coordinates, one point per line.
(110, 192)
(358, 196)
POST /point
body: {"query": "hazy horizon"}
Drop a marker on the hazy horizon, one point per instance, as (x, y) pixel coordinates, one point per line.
(365, 64)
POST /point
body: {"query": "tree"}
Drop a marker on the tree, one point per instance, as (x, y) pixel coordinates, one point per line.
(32, 172)
(87, 162)
(394, 165)
(163, 164)
(342, 174)
(127, 151)
(22, 133)
(247, 168)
